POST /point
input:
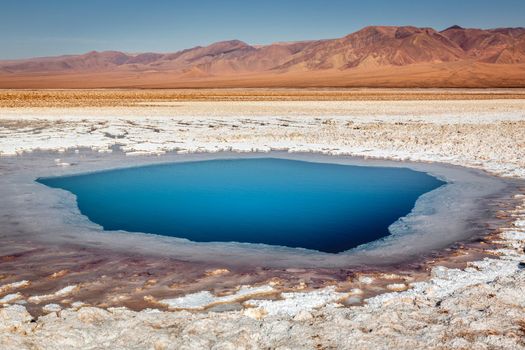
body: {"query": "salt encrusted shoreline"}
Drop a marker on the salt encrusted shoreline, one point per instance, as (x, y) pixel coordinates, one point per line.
(481, 307)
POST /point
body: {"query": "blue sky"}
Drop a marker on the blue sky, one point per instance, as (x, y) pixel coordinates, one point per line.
(52, 27)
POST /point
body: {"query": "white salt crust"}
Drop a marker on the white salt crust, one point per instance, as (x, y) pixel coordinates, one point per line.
(478, 307)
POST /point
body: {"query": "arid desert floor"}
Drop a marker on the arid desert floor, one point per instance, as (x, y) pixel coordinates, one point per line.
(465, 297)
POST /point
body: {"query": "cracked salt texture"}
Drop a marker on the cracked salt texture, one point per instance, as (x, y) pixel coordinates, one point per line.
(293, 303)
(455, 137)
(205, 299)
(51, 308)
(58, 294)
(9, 298)
(14, 285)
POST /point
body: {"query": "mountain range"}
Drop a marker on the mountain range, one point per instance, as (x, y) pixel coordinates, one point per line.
(375, 56)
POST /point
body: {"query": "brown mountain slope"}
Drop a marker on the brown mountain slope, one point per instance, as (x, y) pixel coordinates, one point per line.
(503, 45)
(378, 46)
(373, 56)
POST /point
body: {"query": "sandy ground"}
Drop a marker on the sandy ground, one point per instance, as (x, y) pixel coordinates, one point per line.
(133, 97)
(423, 75)
(480, 306)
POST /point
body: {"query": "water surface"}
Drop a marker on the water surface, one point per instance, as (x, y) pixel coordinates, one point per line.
(320, 206)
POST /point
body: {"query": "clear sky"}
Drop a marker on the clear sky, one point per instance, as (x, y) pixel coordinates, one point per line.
(31, 28)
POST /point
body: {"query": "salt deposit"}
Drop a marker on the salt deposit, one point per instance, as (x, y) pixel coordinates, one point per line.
(481, 306)
(201, 300)
(37, 299)
(14, 285)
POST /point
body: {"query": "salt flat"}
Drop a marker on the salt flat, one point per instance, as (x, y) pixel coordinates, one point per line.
(480, 306)
(487, 134)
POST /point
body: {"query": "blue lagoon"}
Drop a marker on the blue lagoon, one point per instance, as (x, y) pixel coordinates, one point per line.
(319, 206)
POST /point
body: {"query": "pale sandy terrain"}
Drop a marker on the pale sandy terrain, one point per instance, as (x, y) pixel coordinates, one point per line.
(425, 75)
(481, 306)
(162, 97)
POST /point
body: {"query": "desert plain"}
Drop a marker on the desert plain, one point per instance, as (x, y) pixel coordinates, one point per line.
(466, 296)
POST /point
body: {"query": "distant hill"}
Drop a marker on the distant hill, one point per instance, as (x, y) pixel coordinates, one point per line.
(376, 56)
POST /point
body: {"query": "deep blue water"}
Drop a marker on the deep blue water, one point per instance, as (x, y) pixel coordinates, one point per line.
(326, 207)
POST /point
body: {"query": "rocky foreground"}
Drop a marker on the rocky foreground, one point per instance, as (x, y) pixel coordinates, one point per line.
(480, 307)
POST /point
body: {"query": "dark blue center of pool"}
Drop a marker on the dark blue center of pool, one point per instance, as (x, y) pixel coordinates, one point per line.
(326, 207)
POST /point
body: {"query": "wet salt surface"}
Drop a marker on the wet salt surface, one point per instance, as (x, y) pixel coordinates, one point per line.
(457, 211)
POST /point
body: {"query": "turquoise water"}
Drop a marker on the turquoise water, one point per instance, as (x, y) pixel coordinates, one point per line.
(320, 206)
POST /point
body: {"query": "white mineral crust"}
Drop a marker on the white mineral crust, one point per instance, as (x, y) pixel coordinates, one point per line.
(480, 307)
